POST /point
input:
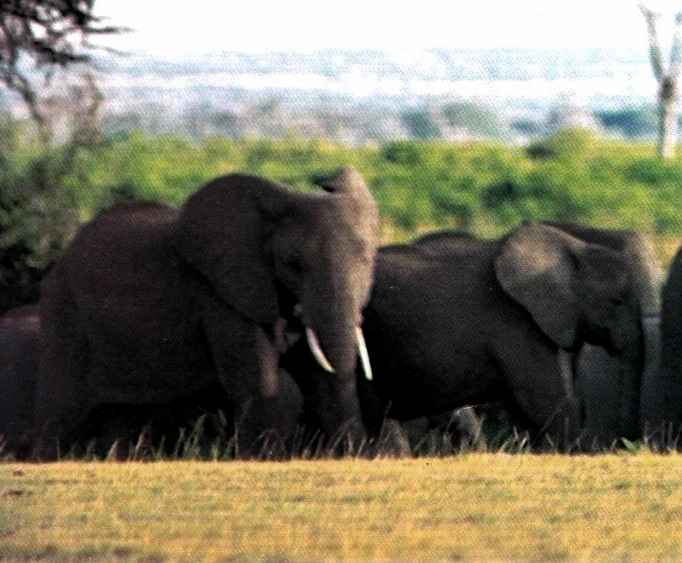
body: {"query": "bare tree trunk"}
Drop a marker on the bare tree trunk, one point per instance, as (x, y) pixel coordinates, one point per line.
(667, 119)
(667, 92)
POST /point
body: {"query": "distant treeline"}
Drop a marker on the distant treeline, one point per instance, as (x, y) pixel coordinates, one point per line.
(351, 124)
(485, 188)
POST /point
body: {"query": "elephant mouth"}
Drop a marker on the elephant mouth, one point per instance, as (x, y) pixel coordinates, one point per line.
(321, 358)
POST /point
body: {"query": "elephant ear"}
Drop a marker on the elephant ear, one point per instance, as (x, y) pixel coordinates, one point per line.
(221, 232)
(536, 266)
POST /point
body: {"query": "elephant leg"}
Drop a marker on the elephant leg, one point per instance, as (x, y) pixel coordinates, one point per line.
(541, 391)
(246, 359)
(653, 407)
(62, 399)
(599, 394)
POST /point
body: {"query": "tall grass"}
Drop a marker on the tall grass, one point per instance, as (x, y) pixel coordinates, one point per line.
(194, 443)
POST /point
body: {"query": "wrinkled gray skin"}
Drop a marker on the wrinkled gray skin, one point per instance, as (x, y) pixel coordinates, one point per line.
(19, 334)
(668, 424)
(618, 395)
(455, 320)
(150, 304)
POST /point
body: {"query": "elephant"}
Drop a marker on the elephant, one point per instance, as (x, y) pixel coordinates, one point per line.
(669, 415)
(19, 334)
(150, 304)
(454, 320)
(618, 395)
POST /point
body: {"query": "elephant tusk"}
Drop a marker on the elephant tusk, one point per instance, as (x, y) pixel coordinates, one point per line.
(364, 355)
(314, 346)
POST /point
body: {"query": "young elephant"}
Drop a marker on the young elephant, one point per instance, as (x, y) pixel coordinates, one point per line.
(150, 304)
(454, 320)
(619, 394)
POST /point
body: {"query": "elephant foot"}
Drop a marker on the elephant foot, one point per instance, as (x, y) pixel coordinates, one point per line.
(391, 442)
(269, 445)
(663, 437)
(349, 440)
(46, 450)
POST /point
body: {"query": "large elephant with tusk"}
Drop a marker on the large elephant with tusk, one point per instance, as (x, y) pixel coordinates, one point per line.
(152, 303)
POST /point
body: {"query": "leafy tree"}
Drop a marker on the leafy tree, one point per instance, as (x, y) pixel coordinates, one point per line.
(571, 143)
(475, 119)
(421, 124)
(631, 122)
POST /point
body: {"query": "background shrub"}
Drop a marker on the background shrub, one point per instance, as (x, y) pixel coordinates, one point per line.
(485, 188)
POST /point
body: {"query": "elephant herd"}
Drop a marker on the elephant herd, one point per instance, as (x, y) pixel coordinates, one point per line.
(279, 309)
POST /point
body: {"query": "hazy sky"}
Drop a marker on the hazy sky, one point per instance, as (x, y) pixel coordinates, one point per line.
(313, 24)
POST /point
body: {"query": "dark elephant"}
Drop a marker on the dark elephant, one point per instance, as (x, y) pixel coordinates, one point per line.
(19, 334)
(134, 430)
(668, 423)
(618, 394)
(454, 320)
(151, 303)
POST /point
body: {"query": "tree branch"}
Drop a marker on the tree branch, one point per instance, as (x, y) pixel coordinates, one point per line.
(654, 47)
(676, 50)
(50, 33)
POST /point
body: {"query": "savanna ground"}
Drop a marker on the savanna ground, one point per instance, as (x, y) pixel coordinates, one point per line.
(473, 506)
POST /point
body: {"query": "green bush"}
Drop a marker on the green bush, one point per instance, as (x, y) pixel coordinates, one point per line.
(485, 188)
(566, 143)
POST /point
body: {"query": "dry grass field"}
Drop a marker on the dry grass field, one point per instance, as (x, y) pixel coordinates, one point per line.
(474, 506)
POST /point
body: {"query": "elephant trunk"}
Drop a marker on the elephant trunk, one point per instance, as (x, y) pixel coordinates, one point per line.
(628, 364)
(337, 407)
(653, 408)
(630, 383)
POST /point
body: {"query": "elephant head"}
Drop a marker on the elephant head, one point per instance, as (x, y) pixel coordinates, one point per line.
(575, 291)
(621, 396)
(273, 254)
